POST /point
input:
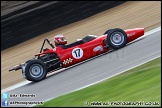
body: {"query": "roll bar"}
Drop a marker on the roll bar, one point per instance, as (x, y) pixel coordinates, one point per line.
(44, 43)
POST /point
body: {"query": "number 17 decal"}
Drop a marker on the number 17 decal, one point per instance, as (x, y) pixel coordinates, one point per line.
(77, 53)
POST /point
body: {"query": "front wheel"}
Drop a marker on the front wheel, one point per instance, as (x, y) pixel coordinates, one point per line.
(35, 70)
(116, 38)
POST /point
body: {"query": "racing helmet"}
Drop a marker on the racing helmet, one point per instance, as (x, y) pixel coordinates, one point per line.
(60, 40)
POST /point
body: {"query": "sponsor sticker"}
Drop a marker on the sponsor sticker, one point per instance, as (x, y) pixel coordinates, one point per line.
(98, 48)
(131, 34)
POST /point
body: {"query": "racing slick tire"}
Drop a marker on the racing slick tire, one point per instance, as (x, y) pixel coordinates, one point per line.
(107, 31)
(35, 70)
(116, 38)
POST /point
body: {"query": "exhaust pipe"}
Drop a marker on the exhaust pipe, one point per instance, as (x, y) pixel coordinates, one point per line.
(17, 67)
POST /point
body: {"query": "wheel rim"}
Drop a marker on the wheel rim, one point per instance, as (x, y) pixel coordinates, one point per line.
(36, 70)
(117, 38)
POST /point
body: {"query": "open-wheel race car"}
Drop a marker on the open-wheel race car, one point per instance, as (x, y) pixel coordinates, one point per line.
(49, 60)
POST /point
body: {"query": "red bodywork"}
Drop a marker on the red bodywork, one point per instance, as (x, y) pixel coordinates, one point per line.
(89, 49)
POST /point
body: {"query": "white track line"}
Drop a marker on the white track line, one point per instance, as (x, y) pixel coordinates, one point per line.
(26, 82)
(15, 86)
(117, 73)
(153, 30)
(104, 78)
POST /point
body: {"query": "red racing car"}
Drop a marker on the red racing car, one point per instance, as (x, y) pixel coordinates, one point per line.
(66, 55)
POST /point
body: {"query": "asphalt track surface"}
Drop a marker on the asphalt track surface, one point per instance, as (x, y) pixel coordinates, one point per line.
(94, 70)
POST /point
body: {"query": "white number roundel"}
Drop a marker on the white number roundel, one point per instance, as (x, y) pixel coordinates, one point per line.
(77, 53)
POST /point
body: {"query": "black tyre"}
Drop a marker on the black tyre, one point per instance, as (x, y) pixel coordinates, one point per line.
(35, 70)
(107, 31)
(116, 38)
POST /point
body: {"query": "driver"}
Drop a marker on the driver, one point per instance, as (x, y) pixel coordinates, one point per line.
(60, 40)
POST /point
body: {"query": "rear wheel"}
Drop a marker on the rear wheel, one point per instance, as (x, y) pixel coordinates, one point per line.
(35, 70)
(116, 38)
